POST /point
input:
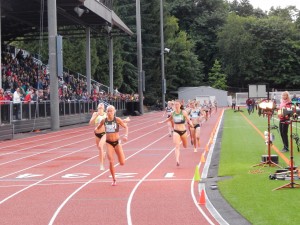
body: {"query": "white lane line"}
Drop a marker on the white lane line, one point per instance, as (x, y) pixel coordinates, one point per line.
(73, 152)
(91, 180)
(9, 197)
(48, 136)
(128, 208)
(54, 134)
(18, 192)
(86, 131)
(64, 182)
(49, 150)
(81, 140)
(38, 141)
(213, 211)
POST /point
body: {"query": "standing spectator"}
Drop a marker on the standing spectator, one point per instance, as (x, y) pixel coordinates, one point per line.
(2, 99)
(26, 105)
(285, 102)
(17, 102)
(249, 103)
(233, 104)
(1, 96)
(27, 98)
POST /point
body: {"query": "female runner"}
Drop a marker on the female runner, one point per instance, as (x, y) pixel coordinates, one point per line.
(97, 117)
(196, 117)
(178, 117)
(168, 111)
(111, 124)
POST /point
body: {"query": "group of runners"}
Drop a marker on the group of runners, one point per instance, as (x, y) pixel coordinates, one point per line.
(180, 118)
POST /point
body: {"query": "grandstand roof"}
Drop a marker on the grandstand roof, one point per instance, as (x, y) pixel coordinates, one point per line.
(23, 18)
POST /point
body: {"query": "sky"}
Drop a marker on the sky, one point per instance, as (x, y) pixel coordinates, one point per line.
(267, 4)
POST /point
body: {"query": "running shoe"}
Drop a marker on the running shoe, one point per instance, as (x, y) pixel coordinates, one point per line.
(114, 183)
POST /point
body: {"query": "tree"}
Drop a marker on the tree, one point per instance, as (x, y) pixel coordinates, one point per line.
(239, 53)
(201, 20)
(182, 66)
(216, 78)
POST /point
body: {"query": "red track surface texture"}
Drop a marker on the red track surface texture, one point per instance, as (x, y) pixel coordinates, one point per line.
(54, 178)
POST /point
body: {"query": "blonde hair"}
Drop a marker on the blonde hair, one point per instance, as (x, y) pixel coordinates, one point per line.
(111, 107)
(286, 93)
(100, 104)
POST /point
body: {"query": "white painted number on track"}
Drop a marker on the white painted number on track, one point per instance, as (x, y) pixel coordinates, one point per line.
(75, 175)
(28, 175)
(124, 175)
(169, 175)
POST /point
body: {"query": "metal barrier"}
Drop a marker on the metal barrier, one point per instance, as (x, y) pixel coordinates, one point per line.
(10, 112)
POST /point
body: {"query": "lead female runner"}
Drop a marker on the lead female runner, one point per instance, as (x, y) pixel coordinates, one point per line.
(111, 124)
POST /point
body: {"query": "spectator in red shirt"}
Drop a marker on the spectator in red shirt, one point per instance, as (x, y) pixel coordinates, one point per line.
(27, 98)
(249, 103)
(1, 96)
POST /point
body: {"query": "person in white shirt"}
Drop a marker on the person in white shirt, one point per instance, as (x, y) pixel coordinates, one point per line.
(17, 102)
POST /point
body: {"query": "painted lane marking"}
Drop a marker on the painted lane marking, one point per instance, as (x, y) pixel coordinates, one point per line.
(81, 187)
(124, 175)
(169, 175)
(75, 175)
(28, 175)
(91, 146)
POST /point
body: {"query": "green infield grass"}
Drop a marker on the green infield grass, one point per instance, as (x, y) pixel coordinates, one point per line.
(248, 187)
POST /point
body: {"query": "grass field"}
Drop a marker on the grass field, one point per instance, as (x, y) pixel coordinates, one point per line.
(248, 188)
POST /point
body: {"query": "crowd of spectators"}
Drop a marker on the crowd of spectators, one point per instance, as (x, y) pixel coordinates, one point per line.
(33, 80)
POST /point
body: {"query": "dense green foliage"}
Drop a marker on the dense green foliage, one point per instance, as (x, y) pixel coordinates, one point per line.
(250, 46)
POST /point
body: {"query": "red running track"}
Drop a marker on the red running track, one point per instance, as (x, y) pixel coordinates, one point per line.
(54, 178)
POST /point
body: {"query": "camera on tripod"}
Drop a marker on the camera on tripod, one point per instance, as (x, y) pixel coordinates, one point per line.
(292, 112)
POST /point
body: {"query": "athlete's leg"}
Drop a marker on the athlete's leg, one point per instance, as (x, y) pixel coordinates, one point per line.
(102, 150)
(120, 154)
(110, 156)
(176, 141)
(192, 135)
(184, 140)
(197, 134)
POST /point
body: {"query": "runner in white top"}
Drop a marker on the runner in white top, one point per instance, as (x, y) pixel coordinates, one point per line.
(196, 116)
(168, 111)
(100, 135)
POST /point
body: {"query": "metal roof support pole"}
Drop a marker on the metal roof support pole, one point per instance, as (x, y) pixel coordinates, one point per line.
(139, 55)
(52, 34)
(162, 55)
(111, 64)
(88, 58)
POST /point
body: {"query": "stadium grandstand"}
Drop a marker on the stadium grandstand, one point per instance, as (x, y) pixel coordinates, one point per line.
(32, 95)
